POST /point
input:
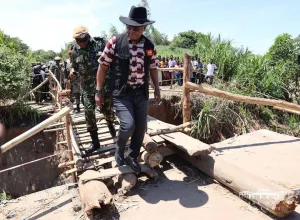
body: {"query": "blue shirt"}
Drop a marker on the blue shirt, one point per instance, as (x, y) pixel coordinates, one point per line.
(43, 74)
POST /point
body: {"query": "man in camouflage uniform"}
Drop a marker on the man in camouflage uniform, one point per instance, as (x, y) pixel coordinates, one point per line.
(37, 79)
(74, 83)
(56, 69)
(84, 61)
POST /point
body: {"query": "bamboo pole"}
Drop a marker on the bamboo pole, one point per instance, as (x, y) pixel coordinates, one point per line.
(171, 69)
(186, 103)
(54, 130)
(171, 130)
(79, 162)
(287, 110)
(36, 88)
(12, 143)
(67, 121)
(54, 78)
(283, 105)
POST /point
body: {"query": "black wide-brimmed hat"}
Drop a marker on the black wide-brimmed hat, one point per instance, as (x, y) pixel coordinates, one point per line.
(137, 17)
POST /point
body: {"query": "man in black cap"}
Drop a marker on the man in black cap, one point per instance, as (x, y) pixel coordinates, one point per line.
(130, 60)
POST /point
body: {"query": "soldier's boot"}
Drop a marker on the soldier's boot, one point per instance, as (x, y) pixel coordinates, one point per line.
(111, 128)
(78, 108)
(95, 142)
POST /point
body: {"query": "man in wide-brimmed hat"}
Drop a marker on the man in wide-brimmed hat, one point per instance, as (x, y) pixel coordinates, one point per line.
(130, 60)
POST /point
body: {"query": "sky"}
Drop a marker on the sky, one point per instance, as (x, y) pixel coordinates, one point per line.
(48, 24)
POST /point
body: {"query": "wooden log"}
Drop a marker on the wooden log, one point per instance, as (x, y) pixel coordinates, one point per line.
(288, 110)
(152, 159)
(186, 103)
(113, 172)
(149, 144)
(283, 105)
(10, 144)
(68, 134)
(172, 129)
(188, 144)
(172, 79)
(281, 203)
(94, 194)
(54, 130)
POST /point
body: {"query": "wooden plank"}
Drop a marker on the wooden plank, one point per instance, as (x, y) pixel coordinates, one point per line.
(114, 172)
(158, 139)
(277, 199)
(188, 144)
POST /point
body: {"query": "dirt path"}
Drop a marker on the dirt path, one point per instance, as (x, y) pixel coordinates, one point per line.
(184, 193)
(181, 192)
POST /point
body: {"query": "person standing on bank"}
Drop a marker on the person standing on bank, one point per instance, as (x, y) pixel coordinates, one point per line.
(130, 60)
(84, 61)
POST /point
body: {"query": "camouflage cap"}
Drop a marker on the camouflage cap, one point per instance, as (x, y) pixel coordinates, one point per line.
(79, 30)
(57, 58)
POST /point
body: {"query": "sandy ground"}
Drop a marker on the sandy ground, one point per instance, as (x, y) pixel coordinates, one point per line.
(180, 192)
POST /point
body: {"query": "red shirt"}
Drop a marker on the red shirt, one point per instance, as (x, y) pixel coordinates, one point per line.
(137, 54)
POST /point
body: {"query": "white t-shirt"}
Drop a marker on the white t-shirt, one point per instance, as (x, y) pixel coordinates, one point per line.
(172, 63)
(195, 64)
(210, 69)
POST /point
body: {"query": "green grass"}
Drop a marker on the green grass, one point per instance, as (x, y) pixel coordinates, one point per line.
(167, 51)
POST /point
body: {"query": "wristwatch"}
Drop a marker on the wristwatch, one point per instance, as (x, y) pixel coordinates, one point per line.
(101, 91)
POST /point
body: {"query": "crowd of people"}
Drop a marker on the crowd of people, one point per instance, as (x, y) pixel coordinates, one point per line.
(199, 72)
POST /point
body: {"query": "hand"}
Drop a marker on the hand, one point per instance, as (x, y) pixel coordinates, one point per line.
(99, 98)
(157, 95)
(72, 76)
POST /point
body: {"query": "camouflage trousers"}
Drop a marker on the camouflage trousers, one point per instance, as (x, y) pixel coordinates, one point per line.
(75, 92)
(89, 102)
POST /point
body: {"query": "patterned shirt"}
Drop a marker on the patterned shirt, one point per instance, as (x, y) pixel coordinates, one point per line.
(137, 54)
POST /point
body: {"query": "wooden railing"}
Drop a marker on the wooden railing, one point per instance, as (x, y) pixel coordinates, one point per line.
(60, 113)
(189, 86)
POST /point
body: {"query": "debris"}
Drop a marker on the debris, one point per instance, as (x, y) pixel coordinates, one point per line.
(10, 215)
(123, 207)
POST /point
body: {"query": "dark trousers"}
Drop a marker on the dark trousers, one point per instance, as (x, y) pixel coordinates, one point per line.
(132, 110)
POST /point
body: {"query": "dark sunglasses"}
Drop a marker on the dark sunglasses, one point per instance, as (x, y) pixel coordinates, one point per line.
(79, 40)
(129, 27)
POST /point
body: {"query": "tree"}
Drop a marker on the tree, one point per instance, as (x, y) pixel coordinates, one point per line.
(104, 36)
(43, 56)
(282, 49)
(186, 39)
(157, 37)
(112, 31)
(144, 3)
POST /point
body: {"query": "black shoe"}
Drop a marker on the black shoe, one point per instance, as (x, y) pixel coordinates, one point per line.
(92, 148)
(133, 163)
(119, 160)
(112, 129)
